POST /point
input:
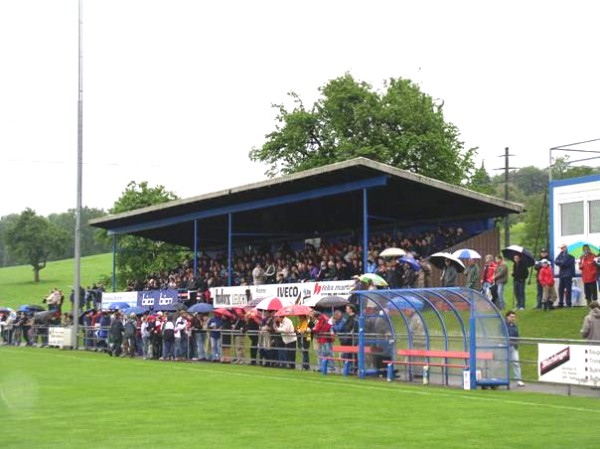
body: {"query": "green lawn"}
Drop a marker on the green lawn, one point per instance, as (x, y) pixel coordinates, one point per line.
(17, 286)
(63, 399)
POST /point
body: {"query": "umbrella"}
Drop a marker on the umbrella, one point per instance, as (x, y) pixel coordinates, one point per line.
(466, 253)
(438, 260)
(272, 304)
(255, 316)
(294, 310)
(407, 302)
(223, 312)
(412, 262)
(372, 277)
(201, 307)
(332, 301)
(31, 308)
(138, 310)
(118, 306)
(526, 256)
(5, 310)
(392, 252)
(174, 306)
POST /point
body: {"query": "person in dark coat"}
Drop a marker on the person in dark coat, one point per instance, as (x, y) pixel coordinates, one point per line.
(115, 335)
(520, 274)
(566, 264)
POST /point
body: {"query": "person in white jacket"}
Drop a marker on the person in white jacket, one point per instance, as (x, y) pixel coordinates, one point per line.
(285, 327)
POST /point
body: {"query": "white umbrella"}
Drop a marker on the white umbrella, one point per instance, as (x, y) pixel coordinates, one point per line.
(392, 252)
(375, 278)
(438, 259)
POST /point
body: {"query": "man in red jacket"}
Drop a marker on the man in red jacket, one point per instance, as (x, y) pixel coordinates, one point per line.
(322, 333)
(546, 280)
(589, 272)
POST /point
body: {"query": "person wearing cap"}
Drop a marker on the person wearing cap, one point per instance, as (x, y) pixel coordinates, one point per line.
(538, 267)
(546, 279)
(566, 264)
(589, 273)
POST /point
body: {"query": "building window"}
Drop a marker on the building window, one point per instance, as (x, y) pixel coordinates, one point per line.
(594, 216)
(571, 218)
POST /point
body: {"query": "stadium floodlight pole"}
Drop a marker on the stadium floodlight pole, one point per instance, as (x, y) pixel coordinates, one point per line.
(77, 282)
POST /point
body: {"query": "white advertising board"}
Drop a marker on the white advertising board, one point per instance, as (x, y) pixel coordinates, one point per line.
(238, 296)
(569, 364)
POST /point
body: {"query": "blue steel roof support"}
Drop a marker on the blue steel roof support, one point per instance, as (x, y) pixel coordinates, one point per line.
(365, 251)
(377, 181)
(195, 248)
(229, 249)
(114, 264)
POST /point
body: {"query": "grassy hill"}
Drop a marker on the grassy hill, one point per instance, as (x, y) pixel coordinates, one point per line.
(17, 286)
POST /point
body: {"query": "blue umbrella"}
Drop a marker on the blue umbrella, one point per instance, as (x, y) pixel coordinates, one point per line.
(138, 310)
(31, 308)
(407, 302)
(118, 306)
(412, 262)
(466, 253)
(201, 307)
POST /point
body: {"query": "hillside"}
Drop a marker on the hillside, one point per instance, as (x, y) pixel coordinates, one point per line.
(17, 286)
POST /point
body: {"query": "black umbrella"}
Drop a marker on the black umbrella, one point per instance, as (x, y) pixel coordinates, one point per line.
(439, 261)
(526, 256)
(332, 301)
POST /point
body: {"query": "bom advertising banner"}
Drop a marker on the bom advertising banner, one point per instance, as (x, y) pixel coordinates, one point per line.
(569, 364)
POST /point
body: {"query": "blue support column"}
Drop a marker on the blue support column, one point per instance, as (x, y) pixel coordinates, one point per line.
(195, 248)
(361, 340)
(473, 344)
(114, 265)
(365, 229)
(229, 249)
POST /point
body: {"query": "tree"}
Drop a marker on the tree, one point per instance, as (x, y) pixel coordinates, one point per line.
(91, 243)
(7, 258)
(139, 257)
(481, 181)
(34, 239)
(400, 126)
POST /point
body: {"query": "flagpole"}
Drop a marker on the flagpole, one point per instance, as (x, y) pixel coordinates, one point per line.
(77, 282)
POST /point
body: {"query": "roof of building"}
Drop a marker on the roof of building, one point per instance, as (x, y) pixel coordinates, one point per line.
(309, 203)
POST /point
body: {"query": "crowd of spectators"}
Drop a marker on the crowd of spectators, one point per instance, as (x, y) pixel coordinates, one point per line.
(329, 260)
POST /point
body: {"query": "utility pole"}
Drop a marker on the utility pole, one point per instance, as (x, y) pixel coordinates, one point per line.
(506, 169)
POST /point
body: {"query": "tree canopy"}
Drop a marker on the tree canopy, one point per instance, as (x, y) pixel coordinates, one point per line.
(34, 239)
(138, 257)
(400, 126)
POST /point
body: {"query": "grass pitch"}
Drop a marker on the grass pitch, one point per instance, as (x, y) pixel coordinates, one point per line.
(65, 399)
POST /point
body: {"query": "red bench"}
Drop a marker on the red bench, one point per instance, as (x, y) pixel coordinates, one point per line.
(441, 355)
(346, 361)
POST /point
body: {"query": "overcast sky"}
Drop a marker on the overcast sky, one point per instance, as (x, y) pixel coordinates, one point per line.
(176, 92)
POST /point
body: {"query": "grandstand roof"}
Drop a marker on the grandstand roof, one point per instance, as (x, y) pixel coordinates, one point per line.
(305, 204)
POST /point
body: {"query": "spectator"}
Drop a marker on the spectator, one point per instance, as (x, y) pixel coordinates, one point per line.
(285, 327)
(520, 273)
(473, 275)
(591, 323)
(129, 331)
(303, 332)
(499, 281)
(487, 275)
(589, 273)
(566, 264)
(449, 274)
(168, 338)
(115, 335)
(513, 333)
(537, 267)
(546, 280)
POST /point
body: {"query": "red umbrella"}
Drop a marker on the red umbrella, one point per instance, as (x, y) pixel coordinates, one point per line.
(255, 316)
(294, 310)
(272, 304)
(223, 312)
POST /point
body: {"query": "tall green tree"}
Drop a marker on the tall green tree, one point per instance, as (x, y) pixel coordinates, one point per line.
(139, 257)
(7, 258)
(400, 126)
(481, 181)
(91, 242)
(34, 239)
